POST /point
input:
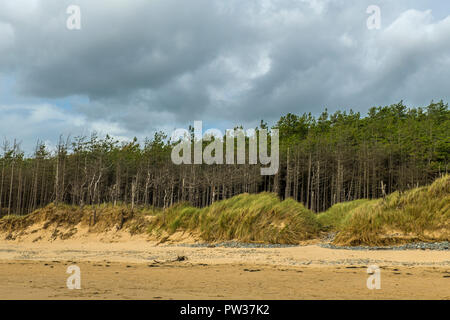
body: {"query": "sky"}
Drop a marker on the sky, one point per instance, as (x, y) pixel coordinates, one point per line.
(139, 66)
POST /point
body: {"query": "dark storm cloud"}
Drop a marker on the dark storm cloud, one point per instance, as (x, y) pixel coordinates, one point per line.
(125, 47)
(143, 65)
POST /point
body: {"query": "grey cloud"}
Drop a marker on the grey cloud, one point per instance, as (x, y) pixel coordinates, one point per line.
(144, 65)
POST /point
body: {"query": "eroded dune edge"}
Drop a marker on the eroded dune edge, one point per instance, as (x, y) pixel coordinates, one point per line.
(420, 214)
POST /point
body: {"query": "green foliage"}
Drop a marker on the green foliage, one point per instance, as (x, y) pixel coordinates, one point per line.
(323, 160)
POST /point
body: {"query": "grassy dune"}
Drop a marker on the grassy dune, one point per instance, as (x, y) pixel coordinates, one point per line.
(333, 218)
(246, 217)
(421, 214)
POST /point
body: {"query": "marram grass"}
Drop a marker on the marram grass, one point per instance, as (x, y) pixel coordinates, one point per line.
(333, 218)
(246, 217)
(420, 214)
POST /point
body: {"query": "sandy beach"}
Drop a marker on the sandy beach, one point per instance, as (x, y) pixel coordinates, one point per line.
(140, 269)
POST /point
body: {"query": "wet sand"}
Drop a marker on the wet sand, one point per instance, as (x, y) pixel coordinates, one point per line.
(47, 280)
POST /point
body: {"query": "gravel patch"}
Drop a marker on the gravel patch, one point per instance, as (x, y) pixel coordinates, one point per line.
(235, 244)
(440, 246)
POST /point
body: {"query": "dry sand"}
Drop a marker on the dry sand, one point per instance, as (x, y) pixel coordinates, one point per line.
(134, 268)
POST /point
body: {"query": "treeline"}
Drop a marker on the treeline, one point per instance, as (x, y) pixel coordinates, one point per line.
(323, 161)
